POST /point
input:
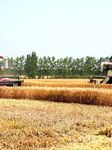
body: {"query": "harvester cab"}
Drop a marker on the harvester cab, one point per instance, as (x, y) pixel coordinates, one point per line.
(106, 68)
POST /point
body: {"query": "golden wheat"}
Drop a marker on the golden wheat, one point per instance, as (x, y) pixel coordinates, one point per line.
(82, 83)
(40, 125)
(93, 96)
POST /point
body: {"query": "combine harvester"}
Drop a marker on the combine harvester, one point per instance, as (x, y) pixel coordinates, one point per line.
(9, 80)
(106, 68)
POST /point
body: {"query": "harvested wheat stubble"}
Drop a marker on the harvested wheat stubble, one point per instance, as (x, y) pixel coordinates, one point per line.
(40, 125)
(69, 95)
(61, 84)
(82, 83)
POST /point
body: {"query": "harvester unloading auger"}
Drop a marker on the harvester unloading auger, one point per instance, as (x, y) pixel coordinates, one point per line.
(8, 80)
(106, 68)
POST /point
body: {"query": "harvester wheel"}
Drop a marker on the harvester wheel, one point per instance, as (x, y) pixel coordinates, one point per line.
(15, 84)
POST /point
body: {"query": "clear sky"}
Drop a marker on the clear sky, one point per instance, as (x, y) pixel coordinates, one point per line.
(57, 28)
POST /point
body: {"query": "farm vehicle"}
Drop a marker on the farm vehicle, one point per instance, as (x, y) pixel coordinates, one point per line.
(9, 80)
(106, 68)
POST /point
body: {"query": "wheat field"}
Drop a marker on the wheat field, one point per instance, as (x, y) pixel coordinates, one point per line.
(92, 96)
(43, 125)
(56, 114)
(82, 83)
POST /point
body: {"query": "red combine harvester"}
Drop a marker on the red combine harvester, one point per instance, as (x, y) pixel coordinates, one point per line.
(9, 80)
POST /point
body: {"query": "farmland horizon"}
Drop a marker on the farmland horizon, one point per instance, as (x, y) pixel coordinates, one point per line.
(57, 57)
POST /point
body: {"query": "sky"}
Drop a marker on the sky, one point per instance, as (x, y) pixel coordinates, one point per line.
(60, 28)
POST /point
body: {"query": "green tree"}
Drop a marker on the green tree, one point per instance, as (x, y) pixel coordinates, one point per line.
(59, 66)
(52, 71)
(78, 66)
(31, 65)
(65, 69)
(18, 65)
(89, 65)
(39, 67)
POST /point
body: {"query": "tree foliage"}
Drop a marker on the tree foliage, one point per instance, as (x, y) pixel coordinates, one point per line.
(40, 67)
(30, 66)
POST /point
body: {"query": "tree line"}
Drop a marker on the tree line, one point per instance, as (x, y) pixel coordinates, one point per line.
(32, 66)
